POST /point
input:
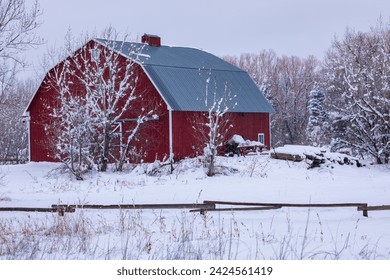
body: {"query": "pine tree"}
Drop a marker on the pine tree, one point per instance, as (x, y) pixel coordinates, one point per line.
(317, 115)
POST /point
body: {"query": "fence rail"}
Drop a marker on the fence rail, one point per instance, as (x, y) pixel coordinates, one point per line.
(374, 208)
(61, 210)
(202, 211)
(286, 204)
(11, 161)
(360, 206)
(139, 206)
(206, 206)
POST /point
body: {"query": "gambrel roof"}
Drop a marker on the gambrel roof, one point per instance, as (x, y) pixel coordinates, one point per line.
(186, 76)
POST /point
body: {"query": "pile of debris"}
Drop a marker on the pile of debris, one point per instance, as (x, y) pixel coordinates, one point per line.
(313, 156)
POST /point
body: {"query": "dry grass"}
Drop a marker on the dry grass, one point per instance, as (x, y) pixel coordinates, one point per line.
(130, 234)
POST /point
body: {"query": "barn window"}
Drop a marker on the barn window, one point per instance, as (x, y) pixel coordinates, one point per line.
(95, 55)
(260, 137)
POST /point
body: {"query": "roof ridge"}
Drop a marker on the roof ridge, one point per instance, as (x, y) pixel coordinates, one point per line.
(193, 68)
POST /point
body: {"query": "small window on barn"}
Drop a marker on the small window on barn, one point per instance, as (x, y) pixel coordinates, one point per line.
(260, 137)
(95, 55)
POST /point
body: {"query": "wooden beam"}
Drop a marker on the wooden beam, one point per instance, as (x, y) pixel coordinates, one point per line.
(27, 209)
(320, 205)
(374, 208)
(140, 206)
(235, 209)
(286, 204)
(37, 209)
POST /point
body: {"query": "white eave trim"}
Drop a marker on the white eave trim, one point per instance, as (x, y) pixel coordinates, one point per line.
(26, 111)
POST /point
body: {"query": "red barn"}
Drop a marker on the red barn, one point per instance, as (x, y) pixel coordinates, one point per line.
(183, 81)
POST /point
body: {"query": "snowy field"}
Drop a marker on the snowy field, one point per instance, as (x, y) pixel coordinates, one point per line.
(286, 233)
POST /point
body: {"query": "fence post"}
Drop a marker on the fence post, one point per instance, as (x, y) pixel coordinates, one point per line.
(365, 211)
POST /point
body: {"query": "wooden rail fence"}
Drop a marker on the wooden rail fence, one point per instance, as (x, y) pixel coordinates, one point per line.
(360, 206)
(70, 208)
(139, 206)
(206, 206)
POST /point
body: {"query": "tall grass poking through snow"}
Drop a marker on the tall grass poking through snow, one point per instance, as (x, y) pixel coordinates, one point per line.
(130, 234)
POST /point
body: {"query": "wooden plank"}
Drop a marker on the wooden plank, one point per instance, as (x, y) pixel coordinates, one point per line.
(374, 208)
(324, 205)
(286, 204)
(34, 209)
(236, 209)
(141, 206)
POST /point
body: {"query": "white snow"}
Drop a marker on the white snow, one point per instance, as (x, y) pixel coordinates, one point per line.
(299, 150)
(286, 233)
(238, 139)
(247, 143)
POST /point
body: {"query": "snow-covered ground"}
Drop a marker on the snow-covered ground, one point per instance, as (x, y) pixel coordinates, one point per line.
(286, 233)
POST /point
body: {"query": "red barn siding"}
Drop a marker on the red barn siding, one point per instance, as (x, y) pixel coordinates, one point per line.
(186, 142)
(151, 142)
(40, 110)
(249, 125)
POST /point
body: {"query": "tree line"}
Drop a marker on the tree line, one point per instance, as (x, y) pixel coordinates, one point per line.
(18, 25)
(342, 101)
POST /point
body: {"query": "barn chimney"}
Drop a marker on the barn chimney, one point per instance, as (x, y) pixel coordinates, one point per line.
(151, 40)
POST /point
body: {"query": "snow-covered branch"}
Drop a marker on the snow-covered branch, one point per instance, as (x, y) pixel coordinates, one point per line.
(357, 74)
(97, 84)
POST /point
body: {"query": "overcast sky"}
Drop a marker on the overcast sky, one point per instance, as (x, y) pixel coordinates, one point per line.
(222, 27)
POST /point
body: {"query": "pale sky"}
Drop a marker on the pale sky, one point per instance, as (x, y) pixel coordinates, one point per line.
(222, 27)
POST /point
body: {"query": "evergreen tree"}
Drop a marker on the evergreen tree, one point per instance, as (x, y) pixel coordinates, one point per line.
(317, 115)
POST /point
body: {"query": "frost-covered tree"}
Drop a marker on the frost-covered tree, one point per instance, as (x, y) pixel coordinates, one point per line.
(98, 84)
(74, 139)
(13, 129)
(357, 70)
(212, 126)
(317, 116)
(17, 33)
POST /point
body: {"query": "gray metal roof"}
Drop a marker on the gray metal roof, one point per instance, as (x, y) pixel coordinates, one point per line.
(185, 76)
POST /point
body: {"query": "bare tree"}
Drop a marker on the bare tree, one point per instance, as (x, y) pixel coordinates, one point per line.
(286, 82)
(17, 27)
(17, 33)
(13, 137)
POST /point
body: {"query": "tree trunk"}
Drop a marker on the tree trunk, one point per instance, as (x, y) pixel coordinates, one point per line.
(211, 166)
(106, 149)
